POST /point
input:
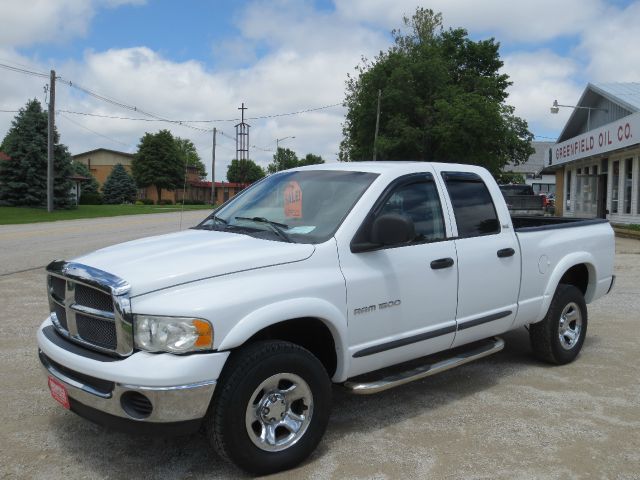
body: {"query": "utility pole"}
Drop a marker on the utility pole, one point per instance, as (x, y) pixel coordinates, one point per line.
(50, 140)
(375, 138)
(213, 168)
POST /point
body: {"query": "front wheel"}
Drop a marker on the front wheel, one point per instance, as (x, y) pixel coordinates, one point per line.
(559, 337)
(270, 408)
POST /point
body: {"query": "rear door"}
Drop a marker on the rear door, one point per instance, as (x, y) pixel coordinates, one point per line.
(488, 255)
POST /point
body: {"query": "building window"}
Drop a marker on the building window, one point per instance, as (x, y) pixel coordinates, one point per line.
(615, 180)
(579, 193)
(628, 182)
(585, 196)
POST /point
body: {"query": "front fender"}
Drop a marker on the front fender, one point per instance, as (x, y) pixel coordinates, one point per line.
(571, 260)
(284, 310)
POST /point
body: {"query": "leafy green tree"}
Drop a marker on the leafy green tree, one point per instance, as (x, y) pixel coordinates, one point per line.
(158, 162)
(119, 186)
(244, 171)
(283, 159)
(442, 99)
(23, 179)
(190, 155)
(310, 159)
(92, 186)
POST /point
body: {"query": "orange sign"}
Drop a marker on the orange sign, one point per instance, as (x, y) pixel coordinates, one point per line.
(293, 200)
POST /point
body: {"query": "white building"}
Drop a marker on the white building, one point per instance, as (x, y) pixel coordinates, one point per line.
(532, 169)
(596, 157)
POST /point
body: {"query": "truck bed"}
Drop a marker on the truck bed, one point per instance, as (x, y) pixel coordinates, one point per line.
(522, 223)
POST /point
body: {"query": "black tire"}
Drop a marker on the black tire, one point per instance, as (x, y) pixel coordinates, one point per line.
(545, 336)
(247, 369)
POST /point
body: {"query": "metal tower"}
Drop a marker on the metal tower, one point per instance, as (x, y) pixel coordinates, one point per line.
(242, 137)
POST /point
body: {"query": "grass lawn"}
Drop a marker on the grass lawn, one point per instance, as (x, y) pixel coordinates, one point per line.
(14, 215)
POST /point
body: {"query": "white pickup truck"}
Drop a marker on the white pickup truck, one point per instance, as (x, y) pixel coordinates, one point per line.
(356, 274)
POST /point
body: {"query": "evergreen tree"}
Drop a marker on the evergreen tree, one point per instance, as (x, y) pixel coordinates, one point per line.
(23, 179)
(92, 186)
(119, 186)
(158, 162)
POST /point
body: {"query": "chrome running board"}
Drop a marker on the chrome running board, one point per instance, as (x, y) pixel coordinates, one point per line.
(488, 347)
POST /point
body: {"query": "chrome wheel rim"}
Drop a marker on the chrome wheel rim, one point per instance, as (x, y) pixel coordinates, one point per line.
(279, 412)
(570, 326)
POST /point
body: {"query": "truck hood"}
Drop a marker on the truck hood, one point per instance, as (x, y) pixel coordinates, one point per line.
(164, 261)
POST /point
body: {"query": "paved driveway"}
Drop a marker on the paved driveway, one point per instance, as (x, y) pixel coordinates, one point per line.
(506, 416)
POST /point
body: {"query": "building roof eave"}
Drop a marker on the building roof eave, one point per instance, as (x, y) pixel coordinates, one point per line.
(130, 155)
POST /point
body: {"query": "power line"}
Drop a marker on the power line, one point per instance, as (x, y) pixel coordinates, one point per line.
(93, 131)
(134, 108)
(307, 110)
(24, 70)
(201, 121)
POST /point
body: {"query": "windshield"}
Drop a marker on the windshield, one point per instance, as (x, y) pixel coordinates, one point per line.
(298, 206)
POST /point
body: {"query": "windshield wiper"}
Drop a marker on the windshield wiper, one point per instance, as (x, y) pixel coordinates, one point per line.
(276, 227)
(214, 220)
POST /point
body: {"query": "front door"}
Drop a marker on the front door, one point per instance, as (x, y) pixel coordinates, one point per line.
(402, 301)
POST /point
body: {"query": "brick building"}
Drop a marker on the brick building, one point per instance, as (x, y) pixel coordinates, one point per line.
(102, 160)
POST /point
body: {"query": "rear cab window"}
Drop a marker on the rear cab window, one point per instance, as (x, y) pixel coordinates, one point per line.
(473, 206)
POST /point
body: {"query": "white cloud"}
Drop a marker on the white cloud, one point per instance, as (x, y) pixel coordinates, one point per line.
(27, 23)
(36, 21)
(611, 46)
(516, 20)
(539, 78)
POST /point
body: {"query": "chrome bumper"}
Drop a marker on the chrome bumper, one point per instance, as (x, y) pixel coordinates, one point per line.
(169, 404)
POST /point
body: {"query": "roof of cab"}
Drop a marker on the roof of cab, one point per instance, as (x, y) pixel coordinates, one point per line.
(389, 167)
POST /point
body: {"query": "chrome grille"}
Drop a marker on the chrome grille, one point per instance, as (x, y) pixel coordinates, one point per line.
(61, 315)
(58, 287)
(92, 298)
(91, 307)
(96, 331)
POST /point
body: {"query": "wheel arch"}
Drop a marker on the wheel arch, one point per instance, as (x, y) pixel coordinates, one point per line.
(578, 269)
(308, 322)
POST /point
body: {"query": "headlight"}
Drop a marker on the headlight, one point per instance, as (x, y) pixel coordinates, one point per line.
(172, 334)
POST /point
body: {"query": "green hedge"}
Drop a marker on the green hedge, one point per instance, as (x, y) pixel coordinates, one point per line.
(90, 199)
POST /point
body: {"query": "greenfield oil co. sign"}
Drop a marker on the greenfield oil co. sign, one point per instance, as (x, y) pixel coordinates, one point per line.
(609, 137)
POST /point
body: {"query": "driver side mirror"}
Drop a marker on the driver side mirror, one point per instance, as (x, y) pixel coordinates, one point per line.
(388, 230)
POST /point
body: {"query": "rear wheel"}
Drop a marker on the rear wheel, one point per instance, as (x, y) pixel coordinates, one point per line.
(270, 408)
(559, 337)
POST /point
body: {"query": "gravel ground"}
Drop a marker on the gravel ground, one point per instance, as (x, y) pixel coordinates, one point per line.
(506, 416)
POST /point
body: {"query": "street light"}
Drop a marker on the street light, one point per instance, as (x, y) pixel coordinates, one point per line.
(555, 108)
(278, 140)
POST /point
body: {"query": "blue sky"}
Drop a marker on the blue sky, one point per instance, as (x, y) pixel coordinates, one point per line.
(200, 59)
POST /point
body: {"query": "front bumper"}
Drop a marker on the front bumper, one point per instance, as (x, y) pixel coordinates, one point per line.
(143, 388)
